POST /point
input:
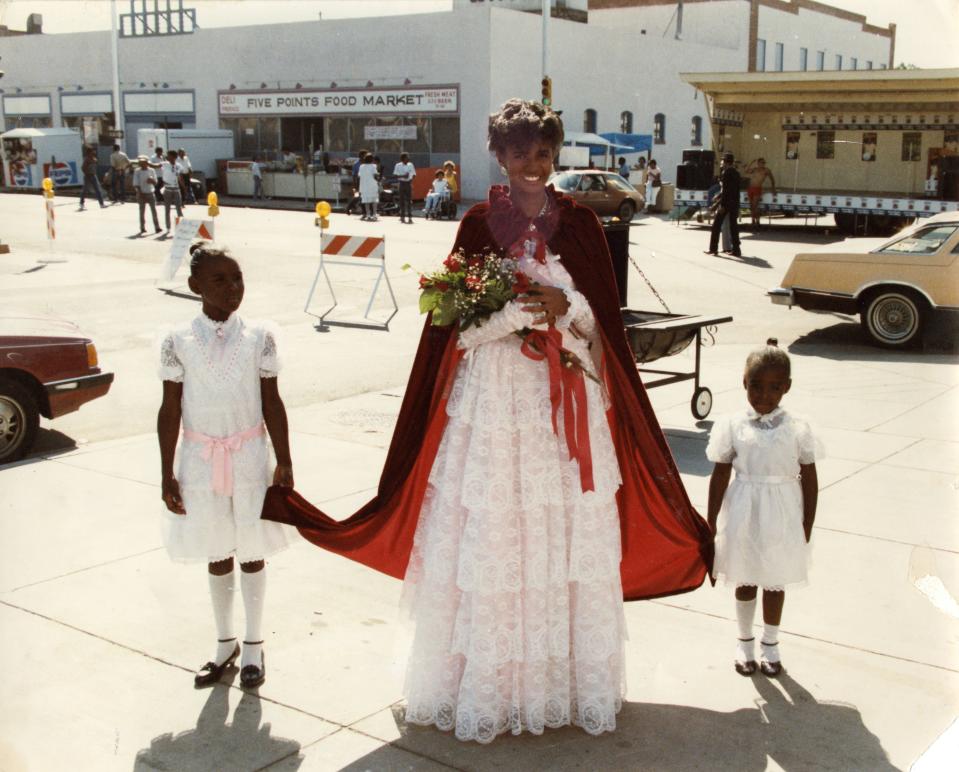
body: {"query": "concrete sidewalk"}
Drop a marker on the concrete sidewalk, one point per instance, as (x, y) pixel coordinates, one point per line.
(101, 633)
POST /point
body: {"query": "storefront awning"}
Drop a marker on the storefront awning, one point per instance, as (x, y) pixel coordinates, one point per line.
(591, 140)
(636, 143)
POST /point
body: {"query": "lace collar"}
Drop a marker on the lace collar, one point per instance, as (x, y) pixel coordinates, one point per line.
(766, 420)
(221, 330)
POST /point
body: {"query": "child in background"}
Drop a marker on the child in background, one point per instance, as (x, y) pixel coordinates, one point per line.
(433, 198)
(220, 378)
(763, 520)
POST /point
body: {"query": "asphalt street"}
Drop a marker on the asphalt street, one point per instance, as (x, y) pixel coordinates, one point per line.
(101, 632)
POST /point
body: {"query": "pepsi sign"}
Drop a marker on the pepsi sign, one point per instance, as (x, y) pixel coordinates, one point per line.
(62, 173)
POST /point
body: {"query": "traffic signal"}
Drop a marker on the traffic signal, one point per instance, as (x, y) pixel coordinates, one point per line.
(547, 91)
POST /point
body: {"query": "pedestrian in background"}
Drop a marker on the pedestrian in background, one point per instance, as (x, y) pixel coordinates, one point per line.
(186, 189)
(369, 188)
(728, 208)
(623, 169)
(404, 172)
(119, 163)
(170, 171)
(256, 169)
(219, 378)
(90, 181)
(653, 180)
(144, 185)
(763, 520)
(157, 163)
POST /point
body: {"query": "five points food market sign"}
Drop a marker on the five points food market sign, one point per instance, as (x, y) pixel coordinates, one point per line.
(431, 99)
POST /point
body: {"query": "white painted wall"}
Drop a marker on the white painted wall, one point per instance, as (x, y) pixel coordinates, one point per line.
(717, 24)
(819, 32)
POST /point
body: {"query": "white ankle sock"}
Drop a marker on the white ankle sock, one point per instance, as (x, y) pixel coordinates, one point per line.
(745, 613)
(770, 643)
(253, 586)
(221, 593)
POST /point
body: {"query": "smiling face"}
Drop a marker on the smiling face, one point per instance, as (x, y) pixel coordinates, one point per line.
(528, 168)
(219, 281)
(765, 388)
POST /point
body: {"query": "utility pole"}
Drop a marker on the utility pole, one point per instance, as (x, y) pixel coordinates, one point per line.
(117, 103)
(545, 70)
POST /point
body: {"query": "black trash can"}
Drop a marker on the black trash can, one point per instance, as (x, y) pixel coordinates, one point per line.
(617, 238)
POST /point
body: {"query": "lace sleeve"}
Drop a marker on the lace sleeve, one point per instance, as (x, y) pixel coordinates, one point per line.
(269, 359)
(504, 322)
(171, 368)
(579, 313)
(720, 449)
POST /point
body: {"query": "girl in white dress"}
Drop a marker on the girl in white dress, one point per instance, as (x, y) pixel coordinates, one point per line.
(220, 379)
(763, 519)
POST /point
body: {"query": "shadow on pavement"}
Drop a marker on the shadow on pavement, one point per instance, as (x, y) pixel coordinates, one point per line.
(846, 341)
(216, 745)
(788, 726)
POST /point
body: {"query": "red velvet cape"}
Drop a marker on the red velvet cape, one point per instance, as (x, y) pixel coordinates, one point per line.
(667, 547)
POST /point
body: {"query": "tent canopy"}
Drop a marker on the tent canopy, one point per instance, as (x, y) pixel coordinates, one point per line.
(631, 143)
(592, 140)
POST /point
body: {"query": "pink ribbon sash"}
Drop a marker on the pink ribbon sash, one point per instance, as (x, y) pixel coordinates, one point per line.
(219, 451)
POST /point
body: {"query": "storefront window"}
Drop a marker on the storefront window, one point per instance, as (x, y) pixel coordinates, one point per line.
(445, 135)
(337, 135)
(825, 144)
(19, 122)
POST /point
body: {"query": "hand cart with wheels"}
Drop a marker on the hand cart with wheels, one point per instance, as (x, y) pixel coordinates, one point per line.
(654, 334)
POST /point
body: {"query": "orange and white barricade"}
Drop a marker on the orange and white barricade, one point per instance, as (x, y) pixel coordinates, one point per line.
(357, 252)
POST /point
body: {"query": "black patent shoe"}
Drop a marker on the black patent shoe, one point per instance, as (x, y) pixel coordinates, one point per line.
(211, 672)
(770, 669)
(252, 676)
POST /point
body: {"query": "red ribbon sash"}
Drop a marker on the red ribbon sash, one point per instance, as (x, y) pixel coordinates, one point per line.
(567, 387)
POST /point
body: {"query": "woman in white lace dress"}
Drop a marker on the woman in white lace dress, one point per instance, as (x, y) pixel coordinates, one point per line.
(220, 380)
(514, 579)
(763, 519)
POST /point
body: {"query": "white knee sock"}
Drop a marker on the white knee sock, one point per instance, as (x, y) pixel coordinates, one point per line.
(745, 613)
(221, 593)
(253, 586)
(770, 643)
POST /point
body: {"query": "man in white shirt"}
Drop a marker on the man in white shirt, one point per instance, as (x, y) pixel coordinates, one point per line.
(170, 171)
(119, 163)
(404, 172)
(256, 169)
(185, 189)
(144, 184)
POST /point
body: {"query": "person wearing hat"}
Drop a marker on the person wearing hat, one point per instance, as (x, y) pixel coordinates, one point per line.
(728, 210)
(144, 183)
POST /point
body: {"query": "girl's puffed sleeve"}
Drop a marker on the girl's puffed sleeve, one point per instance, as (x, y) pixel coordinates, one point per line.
(809, 446)
(170, 367)
(720, 448)
(270, 364)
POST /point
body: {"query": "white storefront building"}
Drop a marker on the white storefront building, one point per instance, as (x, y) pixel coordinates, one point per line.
(426, 83)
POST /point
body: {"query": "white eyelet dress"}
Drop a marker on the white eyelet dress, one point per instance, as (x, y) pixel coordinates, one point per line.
(514, 580)
(759, 534)
(220, 366)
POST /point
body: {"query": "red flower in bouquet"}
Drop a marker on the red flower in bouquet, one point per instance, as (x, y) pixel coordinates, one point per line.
(453, 263)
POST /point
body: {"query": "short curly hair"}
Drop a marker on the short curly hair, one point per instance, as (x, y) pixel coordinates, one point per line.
(520, 123)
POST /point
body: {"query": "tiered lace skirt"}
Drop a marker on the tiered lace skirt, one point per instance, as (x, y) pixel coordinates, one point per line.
(514, 582)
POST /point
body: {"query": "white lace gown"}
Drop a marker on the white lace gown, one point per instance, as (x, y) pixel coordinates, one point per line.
(220, 366)
(514, 579)
(759, 534)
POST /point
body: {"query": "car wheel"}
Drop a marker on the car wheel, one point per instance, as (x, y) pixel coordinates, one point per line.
(893, 318)
(19, 420)
(626, 210)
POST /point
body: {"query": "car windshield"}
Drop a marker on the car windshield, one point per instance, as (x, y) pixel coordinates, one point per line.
(922, 242)
(566, 181)
(615, 181)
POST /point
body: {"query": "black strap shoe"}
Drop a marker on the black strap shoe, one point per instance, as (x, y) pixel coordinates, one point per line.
(211, 672)
(252, 676)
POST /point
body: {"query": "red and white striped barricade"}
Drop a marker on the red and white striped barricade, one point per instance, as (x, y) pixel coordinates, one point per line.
(356, 252)
(51, 221)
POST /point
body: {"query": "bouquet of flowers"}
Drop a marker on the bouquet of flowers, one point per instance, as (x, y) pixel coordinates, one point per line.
(469, 289)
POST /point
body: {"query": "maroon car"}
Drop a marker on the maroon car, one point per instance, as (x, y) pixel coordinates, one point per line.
(46, 368)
